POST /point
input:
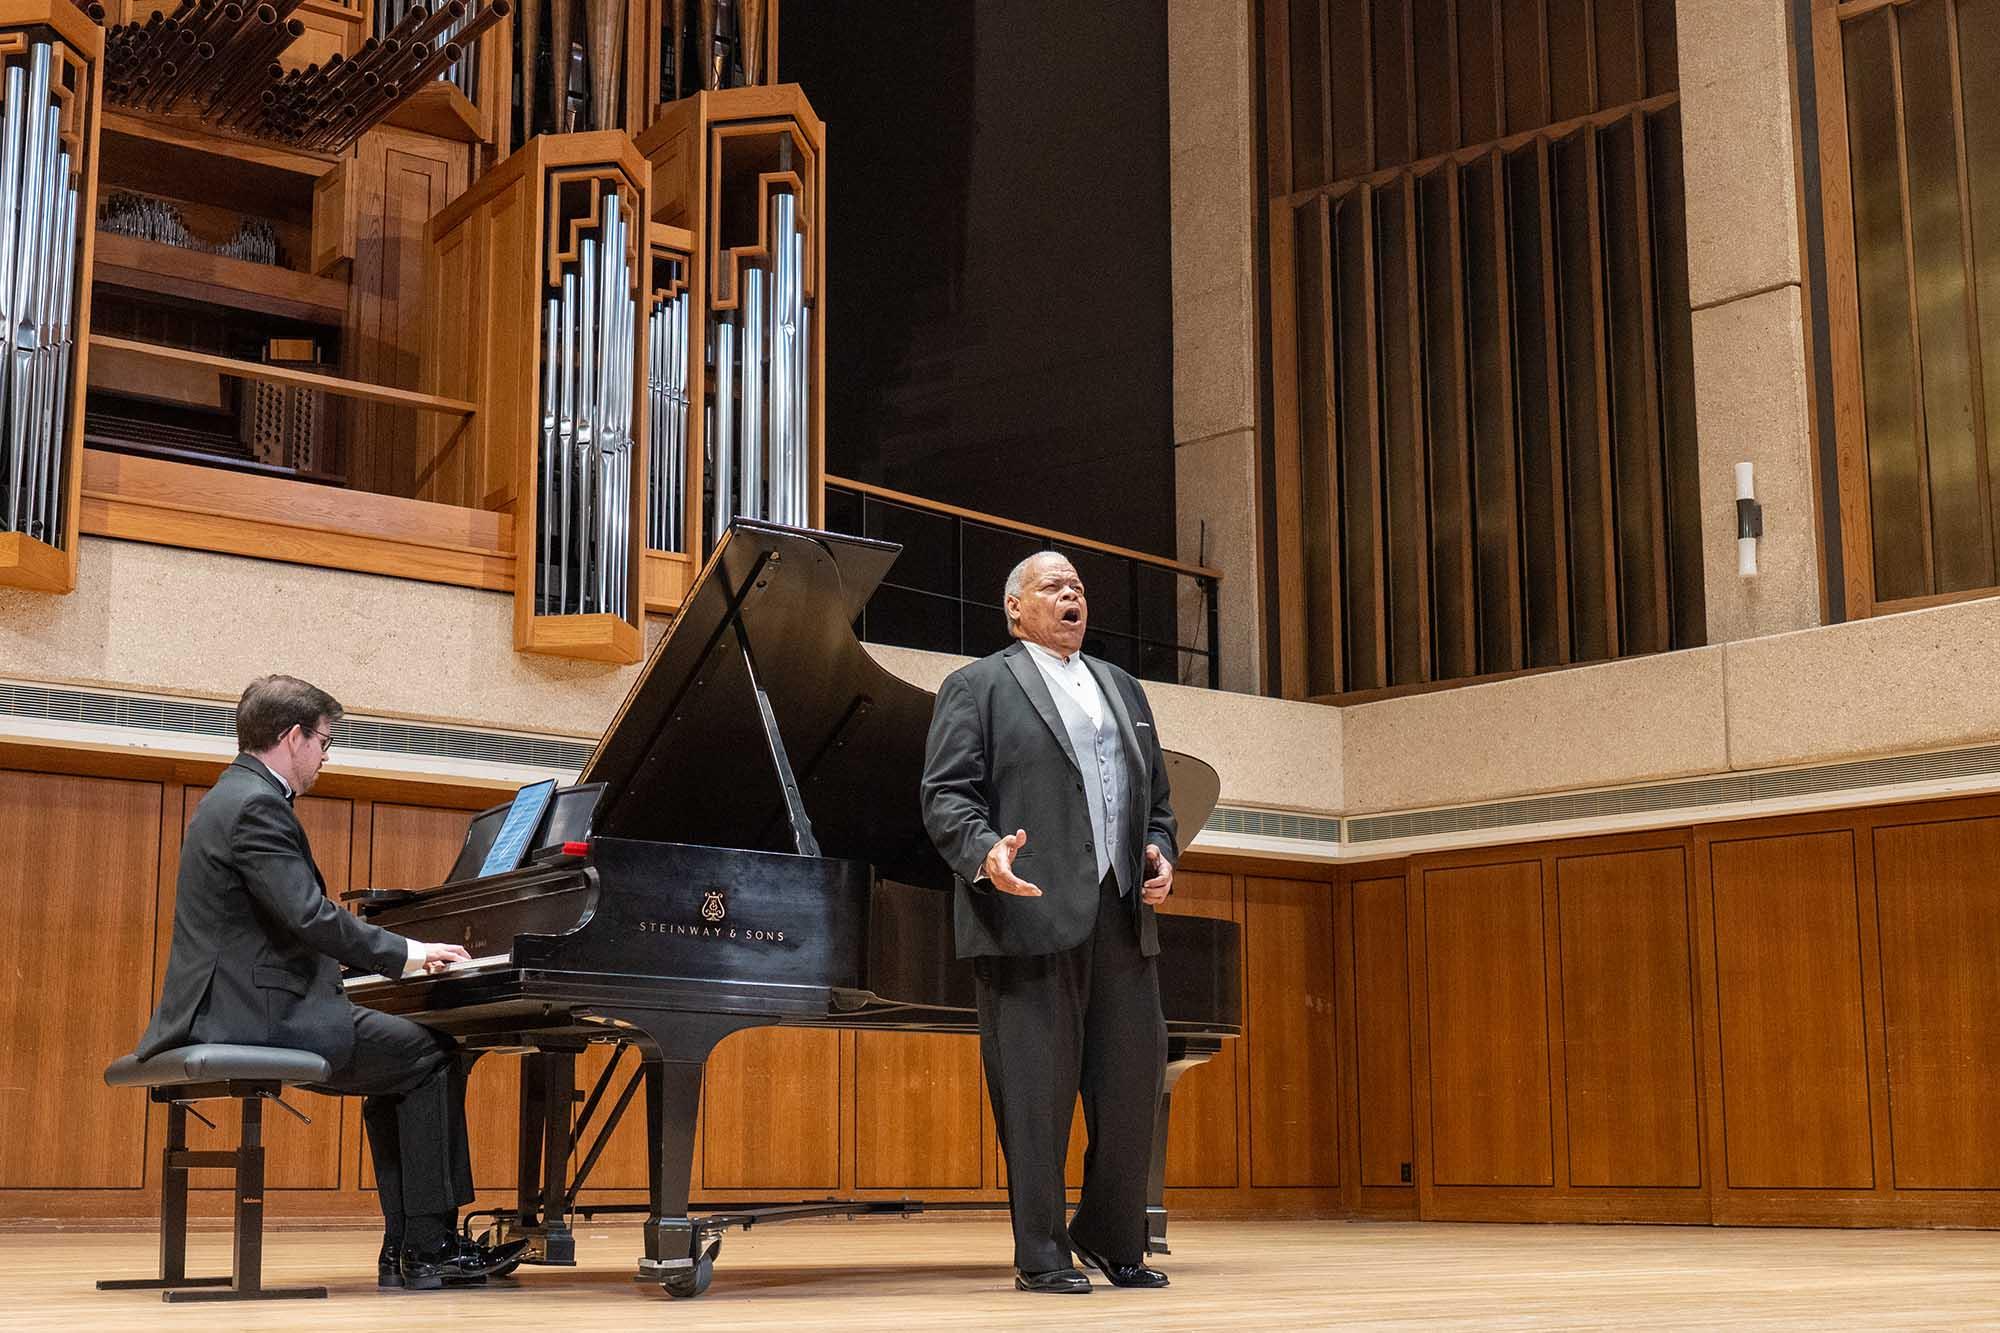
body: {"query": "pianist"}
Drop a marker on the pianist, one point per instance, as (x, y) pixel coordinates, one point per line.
(1045, 790)
(256, 961)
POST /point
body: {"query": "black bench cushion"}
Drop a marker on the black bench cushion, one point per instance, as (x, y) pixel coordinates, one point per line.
(214, 1062)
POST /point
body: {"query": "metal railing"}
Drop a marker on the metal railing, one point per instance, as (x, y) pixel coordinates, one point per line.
(944, 592)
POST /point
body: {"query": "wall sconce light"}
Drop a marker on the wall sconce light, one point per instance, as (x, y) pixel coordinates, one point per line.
(1749, 521)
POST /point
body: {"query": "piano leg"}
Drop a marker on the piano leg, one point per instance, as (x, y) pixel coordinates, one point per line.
(674, 1253)
(548, 1094)
(1183, 1054)
(680, 1253)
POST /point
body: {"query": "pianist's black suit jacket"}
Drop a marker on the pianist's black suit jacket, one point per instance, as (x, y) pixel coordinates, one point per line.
(257, 945)
(998, 759)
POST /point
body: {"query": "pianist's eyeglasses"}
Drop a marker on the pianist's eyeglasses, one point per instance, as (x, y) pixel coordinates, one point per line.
(325, 739)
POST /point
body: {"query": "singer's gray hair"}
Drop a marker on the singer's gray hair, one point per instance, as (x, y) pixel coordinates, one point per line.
(1017, 579)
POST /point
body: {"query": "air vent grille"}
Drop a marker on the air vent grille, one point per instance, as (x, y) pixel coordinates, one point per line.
(1272, 824)
(194, 718)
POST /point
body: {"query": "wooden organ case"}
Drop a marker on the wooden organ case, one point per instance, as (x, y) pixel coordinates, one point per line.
(50, 97)
(540, 301)
(743, 170)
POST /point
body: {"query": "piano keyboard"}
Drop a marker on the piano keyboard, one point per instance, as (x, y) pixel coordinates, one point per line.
(456, 969)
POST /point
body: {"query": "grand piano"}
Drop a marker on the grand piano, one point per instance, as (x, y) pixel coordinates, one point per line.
(744, 848)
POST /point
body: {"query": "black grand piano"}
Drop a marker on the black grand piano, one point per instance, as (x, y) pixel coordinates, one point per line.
(744, 848)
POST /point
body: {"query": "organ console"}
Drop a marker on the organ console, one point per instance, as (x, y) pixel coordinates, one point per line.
(745, 848)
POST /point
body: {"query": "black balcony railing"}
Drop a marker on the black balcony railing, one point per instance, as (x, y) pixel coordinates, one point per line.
(944, 592)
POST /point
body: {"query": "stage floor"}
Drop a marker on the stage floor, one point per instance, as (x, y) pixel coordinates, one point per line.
(936, 1271)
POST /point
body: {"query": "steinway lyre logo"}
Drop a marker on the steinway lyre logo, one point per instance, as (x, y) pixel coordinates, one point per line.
(712, 909)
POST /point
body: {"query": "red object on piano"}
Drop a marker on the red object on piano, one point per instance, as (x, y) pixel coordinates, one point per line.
(576, 849)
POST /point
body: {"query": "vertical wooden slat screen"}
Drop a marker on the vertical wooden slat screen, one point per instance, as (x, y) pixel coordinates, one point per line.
(1978, 38)
(1538, 414)
(1593, 548)
(1497, 508)
(1910, 120)
(1488, 462)
(1670, 393)
(1361, 463)
(1408, 536)
(1455, 595)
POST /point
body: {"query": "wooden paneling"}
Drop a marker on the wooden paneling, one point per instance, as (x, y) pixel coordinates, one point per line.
(1939, 916)
(1795, 1102)
(268, 518)
(770, 1112)
(1386, 1131)
(1201, 1136)
(1486, 983)
(413, 845)
(1289, 1014)
(917, 1111)
(302, 1156)
(76, 929)
(401, 179)
(1632, 1087)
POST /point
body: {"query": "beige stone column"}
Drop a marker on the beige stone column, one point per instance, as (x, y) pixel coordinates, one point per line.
(1744, 286)
(1215, 338)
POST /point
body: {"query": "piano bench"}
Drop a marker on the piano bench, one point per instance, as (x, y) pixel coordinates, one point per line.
(177, 1078)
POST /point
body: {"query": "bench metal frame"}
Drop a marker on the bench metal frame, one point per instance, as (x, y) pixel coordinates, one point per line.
(245, 1281)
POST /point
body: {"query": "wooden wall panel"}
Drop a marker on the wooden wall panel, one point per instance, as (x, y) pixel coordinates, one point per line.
(917, 1099)
(413, 846)
(402, 178)
(1486, 982)
(1632, 1085)
(76, 929)
(305, 1157)
(770, 1112)
(1381, 975)
(1289, 1017)
(1939, 915)
(1794, 1073)
(1201, 1135)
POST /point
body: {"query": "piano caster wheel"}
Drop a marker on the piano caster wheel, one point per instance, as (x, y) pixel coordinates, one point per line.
(692, 1282)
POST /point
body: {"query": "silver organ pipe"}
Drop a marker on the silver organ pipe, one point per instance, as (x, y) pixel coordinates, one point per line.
(38, 238)
(761, 445)
(667, 422)
(588, 386)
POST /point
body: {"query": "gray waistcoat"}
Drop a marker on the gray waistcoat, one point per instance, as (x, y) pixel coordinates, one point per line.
(1100, 758)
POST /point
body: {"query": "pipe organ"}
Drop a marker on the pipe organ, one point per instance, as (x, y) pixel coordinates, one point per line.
(583, 535)
(669, 390)
(759, 340)
(542, 293)
(49, 105)
(743, 170)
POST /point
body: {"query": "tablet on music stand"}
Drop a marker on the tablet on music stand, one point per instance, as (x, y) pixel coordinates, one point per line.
(531, 804)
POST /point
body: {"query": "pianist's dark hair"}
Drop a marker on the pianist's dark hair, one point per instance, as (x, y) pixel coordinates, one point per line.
(273, 705)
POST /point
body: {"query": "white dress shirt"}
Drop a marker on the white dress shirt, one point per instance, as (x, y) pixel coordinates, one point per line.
(1071, 677)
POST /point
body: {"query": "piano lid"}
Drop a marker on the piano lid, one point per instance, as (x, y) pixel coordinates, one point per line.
(686, 759)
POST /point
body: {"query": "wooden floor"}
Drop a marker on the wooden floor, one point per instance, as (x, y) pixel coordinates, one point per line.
(934, 1271)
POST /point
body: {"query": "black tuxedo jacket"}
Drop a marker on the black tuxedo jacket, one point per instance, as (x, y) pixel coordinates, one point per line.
(998, 759)
(257, 945)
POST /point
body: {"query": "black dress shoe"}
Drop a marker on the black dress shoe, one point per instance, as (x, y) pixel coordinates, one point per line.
(1064, 1281)
(389, 1265)
(1121, 1275)
(454, 1262)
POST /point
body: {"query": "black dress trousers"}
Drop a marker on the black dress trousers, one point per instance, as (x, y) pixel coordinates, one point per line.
(413, 1087)
(1086, 1020)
